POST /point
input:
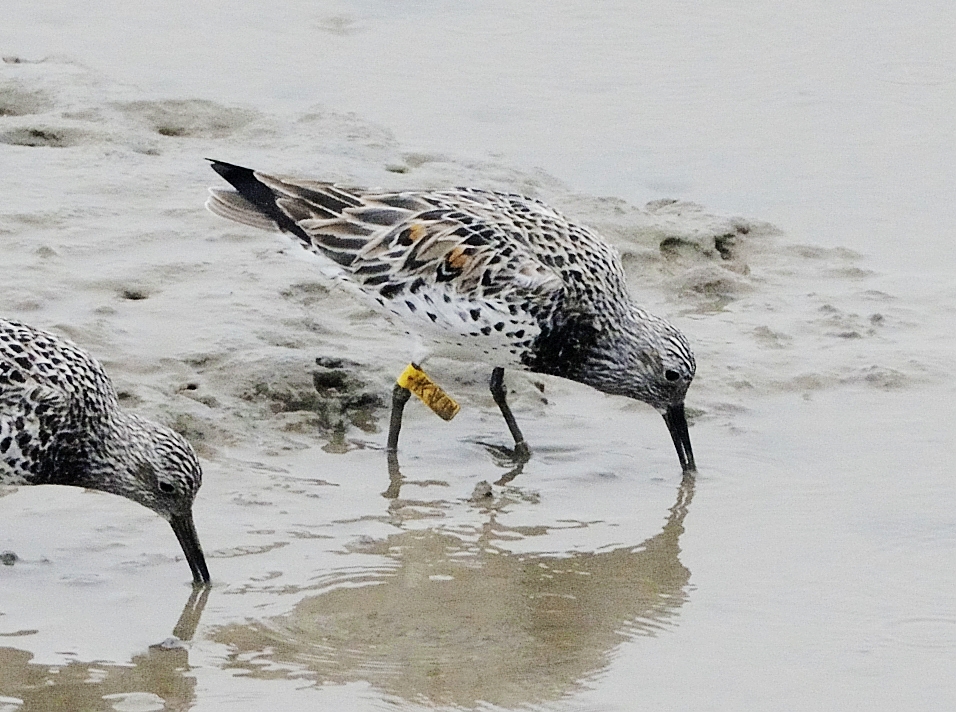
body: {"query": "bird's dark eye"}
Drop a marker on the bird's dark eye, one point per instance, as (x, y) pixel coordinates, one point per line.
(671, 375)
(166, 488)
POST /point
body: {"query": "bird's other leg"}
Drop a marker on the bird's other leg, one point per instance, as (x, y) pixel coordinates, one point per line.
(400, 397)
(500, 394)
(395, 478)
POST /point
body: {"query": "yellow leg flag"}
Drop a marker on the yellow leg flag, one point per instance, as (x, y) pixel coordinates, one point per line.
(431, 394)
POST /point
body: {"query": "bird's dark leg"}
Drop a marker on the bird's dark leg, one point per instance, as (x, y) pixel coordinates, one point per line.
(400, 397)
(500, 394)
(395, 478)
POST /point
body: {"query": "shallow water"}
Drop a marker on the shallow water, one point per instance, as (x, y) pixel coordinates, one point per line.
(810, 565)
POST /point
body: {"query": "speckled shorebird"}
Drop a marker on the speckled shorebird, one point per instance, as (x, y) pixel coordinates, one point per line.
(482, 276)
(61, 424)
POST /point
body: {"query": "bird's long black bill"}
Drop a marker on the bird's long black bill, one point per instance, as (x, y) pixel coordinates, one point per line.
(189, 540)
(677, 425)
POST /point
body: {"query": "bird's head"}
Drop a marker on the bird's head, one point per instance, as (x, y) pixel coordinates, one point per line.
(161, 472)
(650, 360)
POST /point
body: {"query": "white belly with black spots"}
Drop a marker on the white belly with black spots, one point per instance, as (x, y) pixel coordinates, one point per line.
(450, 327)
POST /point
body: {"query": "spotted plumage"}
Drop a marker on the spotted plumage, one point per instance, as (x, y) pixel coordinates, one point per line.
(61, 424)
(481, 275)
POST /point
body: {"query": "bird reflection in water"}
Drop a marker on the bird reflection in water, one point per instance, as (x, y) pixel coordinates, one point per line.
(503, 457)
(464, 621)
(160, 675)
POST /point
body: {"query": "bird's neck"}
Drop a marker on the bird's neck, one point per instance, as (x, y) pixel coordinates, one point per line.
(621, 346)
(91, 459)
(582, 347)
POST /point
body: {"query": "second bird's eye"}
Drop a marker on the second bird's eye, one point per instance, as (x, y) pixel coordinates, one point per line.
(671, 375)
(166, 488)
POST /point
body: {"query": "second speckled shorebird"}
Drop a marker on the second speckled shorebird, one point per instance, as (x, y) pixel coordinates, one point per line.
(61, 424)
(482, 276)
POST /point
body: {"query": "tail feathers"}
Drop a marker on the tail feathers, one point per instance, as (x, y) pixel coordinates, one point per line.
(283, 202)
(257, 194)
(310, 210)
(232, 206)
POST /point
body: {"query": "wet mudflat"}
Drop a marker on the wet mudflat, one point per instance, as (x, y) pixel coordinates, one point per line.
(809, 565)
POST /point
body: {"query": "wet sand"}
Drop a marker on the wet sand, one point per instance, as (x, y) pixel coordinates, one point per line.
(809, 565)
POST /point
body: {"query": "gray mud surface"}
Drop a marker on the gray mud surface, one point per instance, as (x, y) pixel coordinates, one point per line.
(808, 566)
